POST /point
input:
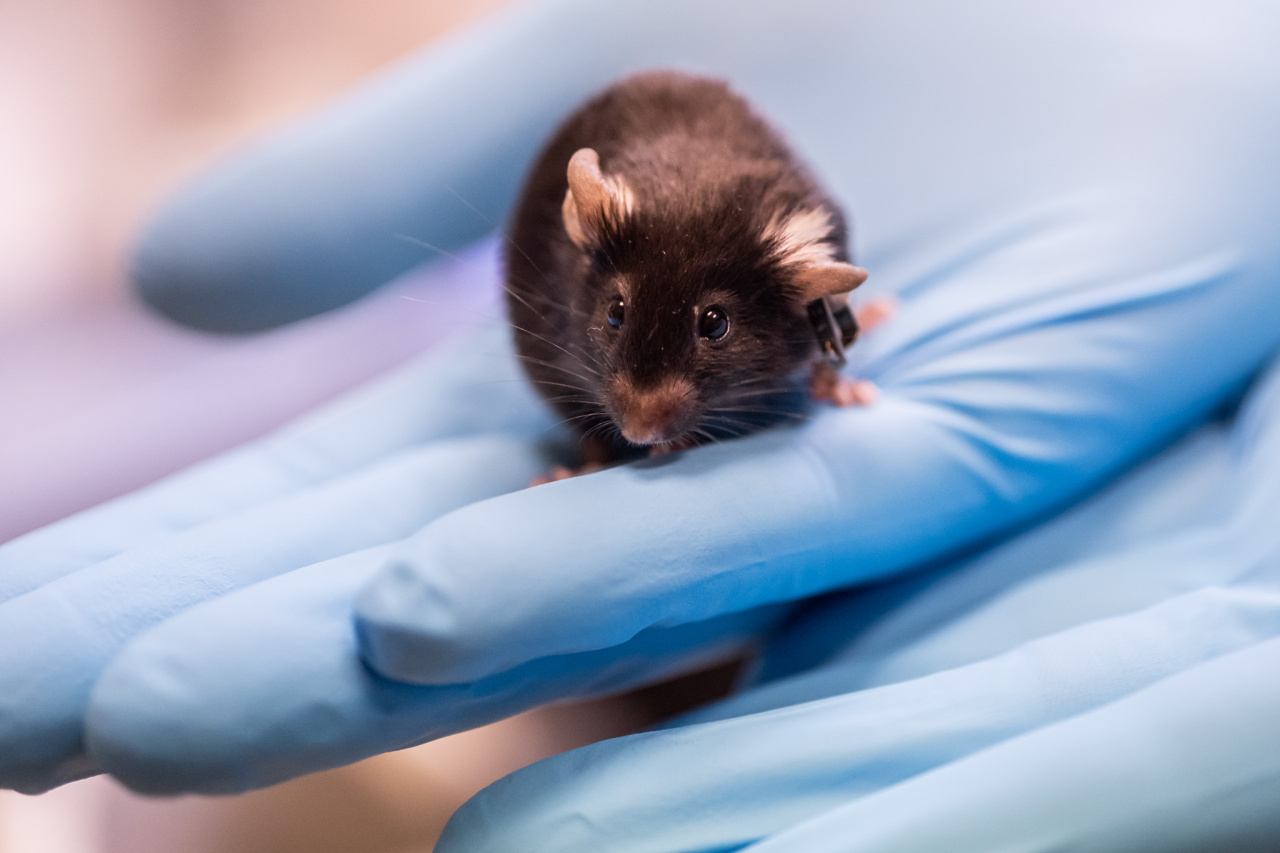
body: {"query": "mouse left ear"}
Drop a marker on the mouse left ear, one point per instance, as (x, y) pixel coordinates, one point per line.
(827, 279)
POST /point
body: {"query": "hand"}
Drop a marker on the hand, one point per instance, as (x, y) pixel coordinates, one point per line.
(1042, 346)
(1106, 681)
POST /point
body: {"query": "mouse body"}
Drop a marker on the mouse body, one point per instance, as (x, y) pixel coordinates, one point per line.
(664, 263)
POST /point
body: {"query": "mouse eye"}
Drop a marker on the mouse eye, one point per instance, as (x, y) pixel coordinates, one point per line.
(713, 324)
(617, 313)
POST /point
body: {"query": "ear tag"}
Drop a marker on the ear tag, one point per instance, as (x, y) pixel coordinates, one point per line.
(835, 327)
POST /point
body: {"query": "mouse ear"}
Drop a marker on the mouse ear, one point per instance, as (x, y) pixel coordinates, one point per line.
(802, 240)
(828, 279)
(592, 199)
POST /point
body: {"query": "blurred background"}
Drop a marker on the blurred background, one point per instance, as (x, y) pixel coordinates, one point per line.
(105, 105)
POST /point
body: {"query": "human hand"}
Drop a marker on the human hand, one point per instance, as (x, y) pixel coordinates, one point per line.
(1105, 681)
(1042, 346)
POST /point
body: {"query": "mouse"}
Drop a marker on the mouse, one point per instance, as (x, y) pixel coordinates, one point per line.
(675, 275)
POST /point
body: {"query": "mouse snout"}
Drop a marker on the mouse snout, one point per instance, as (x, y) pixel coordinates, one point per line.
(655, 415)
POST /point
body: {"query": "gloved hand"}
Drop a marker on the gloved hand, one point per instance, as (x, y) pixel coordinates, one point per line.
(1080, 281)
(1106, 681)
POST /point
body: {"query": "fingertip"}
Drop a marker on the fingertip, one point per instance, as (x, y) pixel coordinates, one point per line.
(259, 242)
(183, 266)
(865, 393)
(130, 732)
(403, 625)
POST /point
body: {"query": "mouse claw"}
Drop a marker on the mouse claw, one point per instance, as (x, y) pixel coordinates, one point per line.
(874, 312)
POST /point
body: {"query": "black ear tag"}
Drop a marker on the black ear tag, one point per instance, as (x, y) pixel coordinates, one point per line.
(835, 327)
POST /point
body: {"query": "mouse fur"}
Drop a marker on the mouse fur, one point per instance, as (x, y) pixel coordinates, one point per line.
(668, 195)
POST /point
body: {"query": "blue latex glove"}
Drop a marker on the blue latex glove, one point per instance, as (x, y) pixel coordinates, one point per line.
(1107, 681)
(1082, 279)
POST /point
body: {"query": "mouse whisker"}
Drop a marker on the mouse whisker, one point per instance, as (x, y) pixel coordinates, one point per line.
(557, 346)
(451, 256)
(601, 428)
(755, 380)
(756, 410)
(583, 417)
(582, 388)
(424, 244)
(576, 420)
(583, 383)
(501, 231)
(752, 395)
(511, 291)
(563, 385)
(703, 434)
(580, 397)
(580, 400)
(759, 391)
(727, 430)
(552, 365)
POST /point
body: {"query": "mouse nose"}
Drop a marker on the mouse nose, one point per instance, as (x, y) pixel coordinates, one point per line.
(656, 415)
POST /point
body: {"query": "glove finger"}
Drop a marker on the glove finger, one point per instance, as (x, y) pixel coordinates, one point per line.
(1123, 583)
(1190, 518)
(64, 633)
(1185, 488)
(317, 216)
(190, 706)
(724, 784)
(466, 388)
(1035, 402)
(184, 729)
(753, 765)
(1191, 763)
(309, 219)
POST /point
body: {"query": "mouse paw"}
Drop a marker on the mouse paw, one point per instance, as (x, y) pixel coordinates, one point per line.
(829, 386)
(562, 472)
(876, 311)
(856, 392)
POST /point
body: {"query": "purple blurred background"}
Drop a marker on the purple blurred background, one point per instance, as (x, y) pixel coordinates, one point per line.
(105, 105)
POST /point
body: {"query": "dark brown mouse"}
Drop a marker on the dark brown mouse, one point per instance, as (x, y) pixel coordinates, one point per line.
(670, 268)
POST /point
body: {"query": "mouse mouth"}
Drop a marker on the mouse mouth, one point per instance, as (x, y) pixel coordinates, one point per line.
(653, 437)
(654, 416)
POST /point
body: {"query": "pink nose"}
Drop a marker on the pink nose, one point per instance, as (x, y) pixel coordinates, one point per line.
(654, 415)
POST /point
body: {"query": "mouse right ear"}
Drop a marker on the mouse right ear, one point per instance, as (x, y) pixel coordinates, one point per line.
(592, 200)
(828, 279)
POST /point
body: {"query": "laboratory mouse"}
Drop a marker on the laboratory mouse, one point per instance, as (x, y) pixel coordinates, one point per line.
(675, 276)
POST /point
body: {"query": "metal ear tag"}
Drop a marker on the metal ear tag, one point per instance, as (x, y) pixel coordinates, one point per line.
(835, 327)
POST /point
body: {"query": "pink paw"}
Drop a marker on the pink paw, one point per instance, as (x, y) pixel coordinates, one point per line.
(827, 384)
(560, 472)
(873, 313)
(855, 392)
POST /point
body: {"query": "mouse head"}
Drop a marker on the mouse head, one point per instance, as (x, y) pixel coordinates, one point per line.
(693, 299)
